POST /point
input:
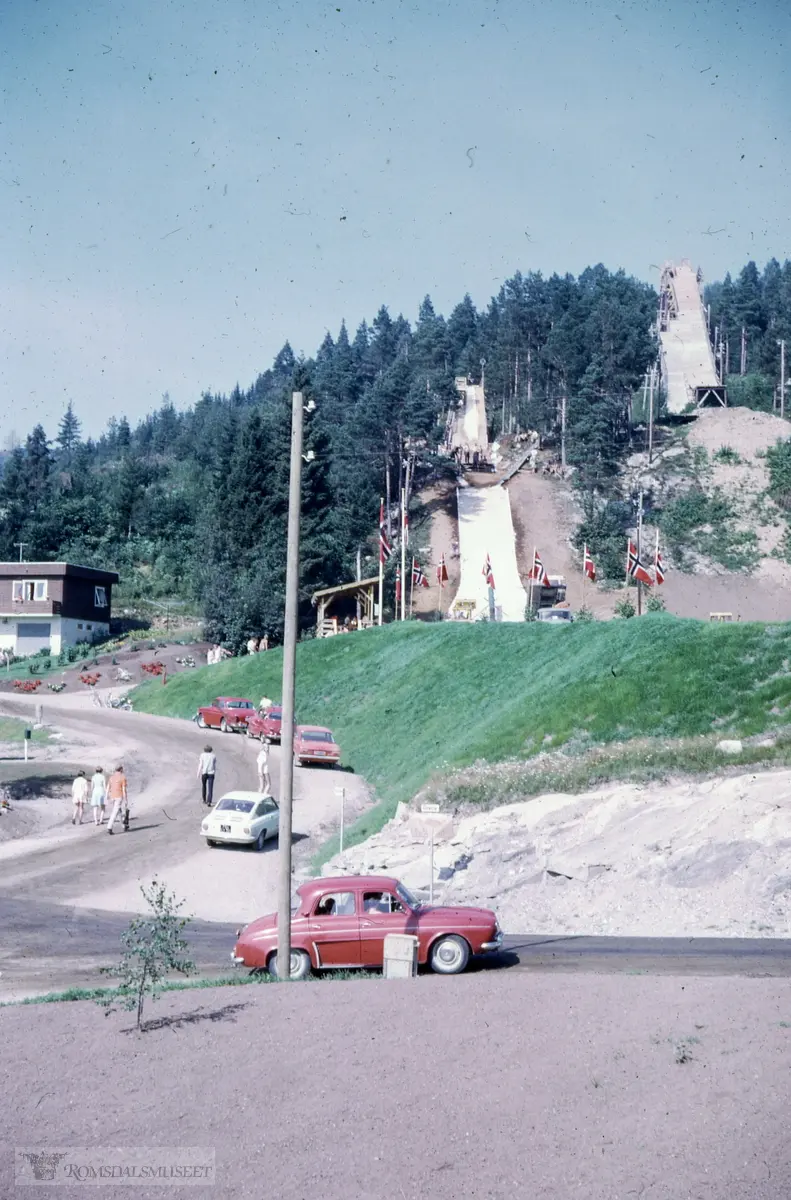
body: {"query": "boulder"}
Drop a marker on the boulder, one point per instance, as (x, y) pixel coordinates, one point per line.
(730, 746)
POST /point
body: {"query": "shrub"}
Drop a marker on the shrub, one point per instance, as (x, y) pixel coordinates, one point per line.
(625, 608)
(727, 454)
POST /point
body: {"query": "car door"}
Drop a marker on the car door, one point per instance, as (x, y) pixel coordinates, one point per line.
(267, 817)
(382, 913)
(212, 714)
(335, 929)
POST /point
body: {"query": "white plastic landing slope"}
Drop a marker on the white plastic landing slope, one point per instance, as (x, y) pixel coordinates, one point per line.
(687, 357)
(485, 527)
(469, 427)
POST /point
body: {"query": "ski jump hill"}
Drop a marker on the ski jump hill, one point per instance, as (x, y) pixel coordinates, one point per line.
(689, 371)
(485, 523)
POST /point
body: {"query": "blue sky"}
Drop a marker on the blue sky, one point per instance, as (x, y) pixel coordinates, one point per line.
(184, 185)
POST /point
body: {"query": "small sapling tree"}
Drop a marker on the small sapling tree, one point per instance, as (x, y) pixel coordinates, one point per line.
(152, 948)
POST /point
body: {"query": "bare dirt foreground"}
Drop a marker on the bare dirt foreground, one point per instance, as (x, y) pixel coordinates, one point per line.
(481, 1086)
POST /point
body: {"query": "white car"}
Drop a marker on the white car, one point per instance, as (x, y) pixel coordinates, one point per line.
(242, 818)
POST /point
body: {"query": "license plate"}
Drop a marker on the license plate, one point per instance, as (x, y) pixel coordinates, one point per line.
(225, 829)
(320, 753)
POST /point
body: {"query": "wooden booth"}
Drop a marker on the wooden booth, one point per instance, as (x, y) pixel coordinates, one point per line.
(345, 608)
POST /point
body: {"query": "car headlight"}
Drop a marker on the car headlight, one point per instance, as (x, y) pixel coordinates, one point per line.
(205, 827)
(246, 830)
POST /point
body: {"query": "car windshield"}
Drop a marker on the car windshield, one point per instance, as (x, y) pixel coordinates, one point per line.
(238, 704)
(318, 735)
(406, 897)
(229, 804)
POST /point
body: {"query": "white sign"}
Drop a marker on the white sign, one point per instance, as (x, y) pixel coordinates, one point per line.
(339, 791)
(429, 808)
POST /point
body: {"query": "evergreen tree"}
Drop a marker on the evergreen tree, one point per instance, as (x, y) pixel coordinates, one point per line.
(68, 432)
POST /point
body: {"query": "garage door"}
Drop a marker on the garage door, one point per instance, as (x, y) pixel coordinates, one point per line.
(31, 636)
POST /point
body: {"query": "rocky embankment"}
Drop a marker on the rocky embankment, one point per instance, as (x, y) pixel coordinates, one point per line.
(702, 858)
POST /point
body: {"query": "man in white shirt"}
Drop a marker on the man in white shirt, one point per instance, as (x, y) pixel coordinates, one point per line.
(262, 763)
(79, 794)
(207, 768)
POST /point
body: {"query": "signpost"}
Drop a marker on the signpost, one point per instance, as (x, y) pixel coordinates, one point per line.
(341, 794)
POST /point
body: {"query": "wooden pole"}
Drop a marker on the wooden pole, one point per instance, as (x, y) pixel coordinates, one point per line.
(743, 358)
(403, 555)
(290, 635)
(651, 419)
(563, 432)
(782, 378)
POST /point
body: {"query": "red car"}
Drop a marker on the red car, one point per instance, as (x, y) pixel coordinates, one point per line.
(343, 922)
(315, 744)
(266, 724)
(229, 714)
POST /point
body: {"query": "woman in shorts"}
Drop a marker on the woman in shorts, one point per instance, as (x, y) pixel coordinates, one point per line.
(98, 796)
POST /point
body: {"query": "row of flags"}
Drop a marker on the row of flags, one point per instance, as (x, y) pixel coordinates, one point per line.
(635, 569)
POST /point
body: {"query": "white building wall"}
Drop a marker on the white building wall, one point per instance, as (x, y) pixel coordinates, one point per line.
(64, 631)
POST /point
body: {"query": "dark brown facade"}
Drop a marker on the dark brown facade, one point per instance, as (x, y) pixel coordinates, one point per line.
(56, 589)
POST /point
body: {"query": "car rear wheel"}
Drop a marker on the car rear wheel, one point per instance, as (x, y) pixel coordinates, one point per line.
(299, 966)
(201, 722)
(297, 761)
(449, 955)
(259, 841)
(223, 726)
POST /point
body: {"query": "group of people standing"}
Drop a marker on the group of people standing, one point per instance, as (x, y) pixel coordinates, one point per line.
(207, 770)
(100, 793)
(258, 645)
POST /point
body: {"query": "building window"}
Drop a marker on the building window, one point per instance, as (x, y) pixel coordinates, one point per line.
(26, 591)
(100, 597)
(89, 626)
(79, 624)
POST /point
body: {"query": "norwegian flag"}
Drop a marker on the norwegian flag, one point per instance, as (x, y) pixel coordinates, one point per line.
(487, 572)
(418, 578)
(385, 549)
(588, 565)
(537, 571)
(659, 569)
(398, 586)
(635, 568)
(442, 572)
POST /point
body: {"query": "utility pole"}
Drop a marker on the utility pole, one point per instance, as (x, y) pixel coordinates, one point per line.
(743, 358)
(289, 674)
(651, 417)
(782, 378)
(563, 431)
(22, 546)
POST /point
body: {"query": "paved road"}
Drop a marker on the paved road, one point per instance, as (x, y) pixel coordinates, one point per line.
(50, 947)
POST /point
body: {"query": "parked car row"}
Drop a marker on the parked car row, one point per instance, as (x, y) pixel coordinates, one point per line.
(233, 714)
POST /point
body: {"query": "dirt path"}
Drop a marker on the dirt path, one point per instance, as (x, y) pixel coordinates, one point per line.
(442, 538)
(544, 517)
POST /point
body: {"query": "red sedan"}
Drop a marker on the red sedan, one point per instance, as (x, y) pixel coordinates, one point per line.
(266, 724)
(315, 744)
(343, 922)
(229, 714)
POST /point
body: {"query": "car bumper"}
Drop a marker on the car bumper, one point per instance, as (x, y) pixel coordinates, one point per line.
(237, 959)
(318, 758)
(491, 947)
(230, 838)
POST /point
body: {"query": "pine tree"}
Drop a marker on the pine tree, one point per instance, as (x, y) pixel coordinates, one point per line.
(68, 432)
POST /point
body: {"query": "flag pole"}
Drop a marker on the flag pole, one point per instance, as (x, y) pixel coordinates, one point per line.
(656, 555)
(584, 558)
(381, 565)
(639, 554)
(403, 555)
(412, 590)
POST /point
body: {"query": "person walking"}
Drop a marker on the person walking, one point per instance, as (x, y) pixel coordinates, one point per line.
(207, 768)
(262, 763)
(79, 794)
(98, 796)
(118, 794)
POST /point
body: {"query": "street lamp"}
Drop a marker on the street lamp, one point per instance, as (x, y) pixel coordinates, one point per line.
(289, 674)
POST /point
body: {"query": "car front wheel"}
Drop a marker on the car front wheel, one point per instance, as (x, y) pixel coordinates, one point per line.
(210, 843)
(223, 726)
(449, 955)
(299, 966)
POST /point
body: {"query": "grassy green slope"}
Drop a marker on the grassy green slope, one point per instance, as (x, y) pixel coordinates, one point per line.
(409, 699)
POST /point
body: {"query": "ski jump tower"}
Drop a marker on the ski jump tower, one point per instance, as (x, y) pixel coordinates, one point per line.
(689, 370)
